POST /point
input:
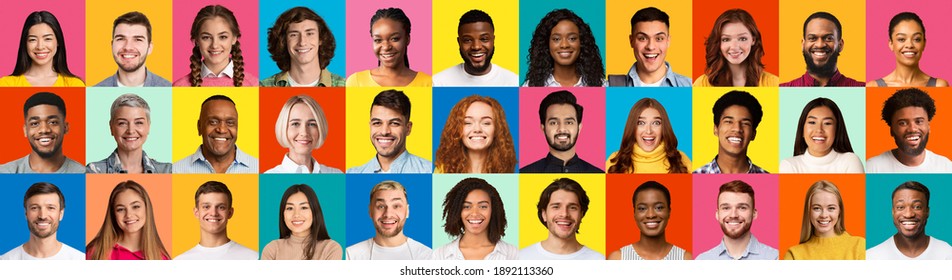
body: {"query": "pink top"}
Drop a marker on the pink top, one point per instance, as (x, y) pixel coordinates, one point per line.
(121, 253)
(249, 81)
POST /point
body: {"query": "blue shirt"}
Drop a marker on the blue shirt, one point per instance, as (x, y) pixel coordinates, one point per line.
(670, 79)
(405, 163)
(755, 251)
(196, 163)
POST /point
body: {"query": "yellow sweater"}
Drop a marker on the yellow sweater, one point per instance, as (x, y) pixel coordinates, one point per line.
(841, 247)
(650, 162)
(61, 81)
(766, 80)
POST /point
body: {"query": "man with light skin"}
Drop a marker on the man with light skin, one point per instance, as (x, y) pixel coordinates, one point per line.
(389, 127)
(218, 127)
(649, 39)
(213, 208)
(910, 211)
(476, 39)
(561, 208)
(45, 127)
(389, 210)
(45, 206)
(736, 212)
(822, 43)
(736, 117)
(561, 122)
(908, 113)
(131, 44)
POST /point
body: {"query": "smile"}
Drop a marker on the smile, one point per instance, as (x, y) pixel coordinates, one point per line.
(222, 139)
(218, 220)
(303, 51)
(565, 54)
(734, 140)
(475, 222)
(297, 223)
(909, 54)
(41, 55)
(819, 54)
(129, 222)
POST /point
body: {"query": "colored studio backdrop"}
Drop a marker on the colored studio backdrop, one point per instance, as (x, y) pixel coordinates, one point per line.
(793, 188)
(676, 101)
(360, 43)
(851, 101)
(332, 11)
(762, 150)
(621, 229)
(331, 100)
(360, 150)
(765, 16)
(101, 142)
(100, 15)
(446, 15)
(17, 145)
(71, 19)
(533, 143)
(158, 186)
(880, 60)
(505, 184)
(72, 226)
(243, 225)
(879, 218)
(706, 226)
(188, 107)
(246, 13)
(591, 232)
(360, 225)
(681, 37)
(531, 13)
(852, 16)
(330, 192)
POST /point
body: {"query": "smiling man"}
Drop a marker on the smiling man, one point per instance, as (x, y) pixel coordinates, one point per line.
(736, 212)
(822, 43)
(736, 117)
(389, 127)
(213, 208)
(302, 46)
(131, 44)
(45, 127)
(561, 208)
(910, 211)
(908, 113)
(649, 39)
(44, 205)
(218, 127)
(476, 39)
(561, 121)
(389, 210)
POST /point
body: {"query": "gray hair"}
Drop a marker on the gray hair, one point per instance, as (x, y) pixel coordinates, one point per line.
(129, 100)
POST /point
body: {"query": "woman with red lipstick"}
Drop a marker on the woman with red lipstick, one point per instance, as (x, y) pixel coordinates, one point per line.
(823, 233)
(563, 53)
(734, 49)
(216, 59)
(302, 128)
(41, 60)
(302, 229)
(475, 215)
(390, 31)
(652, 203)
(648, 144)
(128, 229)
(907, 40)
(822, 143)
(476, 139)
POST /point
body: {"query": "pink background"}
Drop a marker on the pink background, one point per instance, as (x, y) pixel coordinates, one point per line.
(707, 230)
(880, 60)
(590, 144)
(360, 55)
(72, 18)
(183, 13)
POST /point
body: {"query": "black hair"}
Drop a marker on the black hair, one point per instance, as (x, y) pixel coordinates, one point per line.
(651, 185)
(904, 16)
(218, 97)
(560, 97)
(394, 100)
(47, 188)
(44, 98)
(907, 97)
(913, 185)
(59, 59)
(739, 98)
(473, 16)
(589, 63)
(395, 14)
(826, 16)
(650, 14)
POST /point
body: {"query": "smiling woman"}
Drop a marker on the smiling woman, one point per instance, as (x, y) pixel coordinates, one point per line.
(128, 230)
(823, 233)
(216, 56)
(129, 123)
(476, 139)
(652, 209)
(563, 53)
(907, 40)
(474, 213)
(822, 143)
(390, 31)
(302, 229)
(41, 59)
(734, 51)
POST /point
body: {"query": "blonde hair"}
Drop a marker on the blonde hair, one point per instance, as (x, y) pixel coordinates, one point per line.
(281, 125)
(110, 233)
(806, 229)
(387, 185)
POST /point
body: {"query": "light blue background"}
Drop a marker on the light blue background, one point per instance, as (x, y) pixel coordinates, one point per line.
(444, 98)
(99, 143)
(676, 100)
(332, 11)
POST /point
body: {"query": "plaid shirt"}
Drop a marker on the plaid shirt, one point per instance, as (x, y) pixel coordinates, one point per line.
(112, 165)
(712, 168)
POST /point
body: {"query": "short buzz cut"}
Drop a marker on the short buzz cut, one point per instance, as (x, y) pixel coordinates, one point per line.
(134, 18)
(915, 186)
(474, 16)
(44, 98)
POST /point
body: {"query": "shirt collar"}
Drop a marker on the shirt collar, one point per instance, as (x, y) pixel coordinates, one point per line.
(241, 158)
(636, 81)
(114, 165)
(227, 73)
(456, 254)
(289, 165)
(395, 167)
(751, 168)
(722, 248)
(552, 160)
(551, 82)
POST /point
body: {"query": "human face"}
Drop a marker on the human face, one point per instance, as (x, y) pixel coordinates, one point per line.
(648, 131)
(303, 133)
(213, 212)
(477, 211)
(651, 212)
(564, 43)
(130, 128)
(215, 41)
(388, 131)
(389, 211)
(45, 128)
(218, 127)
(910, 213)
(735, 212)
(821, 47)
(130, 211)
(304, 42)
(478, 127)
(908, 41)
(824, 213)
(297, 215)
(43, 214)
(41, 44)
(390, 42)
(819, 131)
(561, 127)
(563, 215)
(910, 130)
(735, 131)
(736, 41)
(130, 46)
(650, 43)
(476, 47)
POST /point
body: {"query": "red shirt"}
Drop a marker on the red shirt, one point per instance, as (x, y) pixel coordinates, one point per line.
(838, 80)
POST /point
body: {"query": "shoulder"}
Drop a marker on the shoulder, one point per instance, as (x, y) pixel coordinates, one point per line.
(184, 81)
(16, 253)
(441, 77)
(941, 82)
(421, 80)
(769, 80)
(72, 166)
(330, 249)
(271, 81)
(249, 80)
(107, 82)
(511, 252)
(328, 169)
(536, 166)
(702, 81)
(10, 80)
(73, 81)
(358, 78)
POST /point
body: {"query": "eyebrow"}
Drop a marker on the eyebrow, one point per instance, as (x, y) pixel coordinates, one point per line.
(646, 34)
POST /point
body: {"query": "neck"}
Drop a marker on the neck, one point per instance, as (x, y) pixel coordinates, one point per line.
(393, 241)
(823, 154)
(907, 74)
(46, 165)
(565, 156)
(652, 77)
(131, 241)
(391, 71)
(212, 240)
(731, 164)
(477, 160)
(131, 160)
(736, 247)
(565, 75)
(909, 160)
(305, 73)
(217, 68)
(653, 241)
(561, 246)
(738, 74)
(472, 70)
(220, 163)
(45, 70)
(134, 78)
(912, 246)
(302, 159)
(386, 161)
(475, 240)
(42, 247)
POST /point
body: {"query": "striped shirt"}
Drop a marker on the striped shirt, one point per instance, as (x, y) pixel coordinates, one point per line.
(675, 254)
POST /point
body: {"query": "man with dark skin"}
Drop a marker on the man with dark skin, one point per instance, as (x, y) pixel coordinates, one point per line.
(218, 127)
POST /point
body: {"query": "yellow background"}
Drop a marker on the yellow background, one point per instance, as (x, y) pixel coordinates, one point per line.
(242, 227)
(99, 17)
(852, 15)
(618, 16)
(592, 231)
(762, 150)
(505, 15)
(419, 142)
(187, 106)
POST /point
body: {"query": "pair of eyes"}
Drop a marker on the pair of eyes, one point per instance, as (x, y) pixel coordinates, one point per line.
(125, 123)
(219, 37)
(569, 122)
(829, 208)
(646, 38)
(903, 39)
(570, 207)
(742, 123)
(382, 206)
(905, 122)
(742, 208)
(468, 40)
(486, 123)
(291, 208)
(914, 207)
(394, 39)
(645, 208)
(824, 123)
(570, 38)
(297, 124)
(137, 39)
(229, 123)
(220, 207)
(37, 208)
(653, 123)
(123, 209)
(50, 123)
(481, 206)
(294, 35)
(728, 39)
(828, 38)
(45, 39)
(392, 124)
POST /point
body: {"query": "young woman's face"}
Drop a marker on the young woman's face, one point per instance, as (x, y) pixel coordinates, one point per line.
(907, 41)
(824, 213)
(297, 215)
(390, 42)
(736, 41)
(41, 44)
(130, 128)
(651, 212)
(819, 131)
(648, 131)
(130, 211)
(564, 43)
(303, 133)
(477, 210)
(478, 127)
(215, 41)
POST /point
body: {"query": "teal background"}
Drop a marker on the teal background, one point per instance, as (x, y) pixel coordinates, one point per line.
(506, 184)
(330, 193)
(331, 11)
(879, 221)
(852, 103)
(676, 101)
(532, 11)
(100, 143)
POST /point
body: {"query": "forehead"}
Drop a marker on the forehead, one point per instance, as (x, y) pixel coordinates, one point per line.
(40, 29)
(734, 197)
(650, 27)
(388, 195)
(565, 26)
(212, 197)
(560, 110)
(479, 108)
(649, 112)
(127, 196)
(216, 25)
(650, 196)
(44, 198)
(477, 196)
(381, 112)
(564, 197)
(479, 27)
(820, 111)
(386, 25)
(736, 111)
(297, 198)
(131, 29)
(43, 110)
(302, 25)
(300, 109)
(129, 111)
(909, 194)
(734, 28)
(820, 26)
(215, 107)
(908, 27)
(824, 197)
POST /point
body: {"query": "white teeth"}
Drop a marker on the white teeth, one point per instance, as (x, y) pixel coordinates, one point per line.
(734, 140)
(385, 141)
(132, 222)
(45, 140)
(475, 221)
(220, 139)
(213, 220)
(303, 50)
(912, 138)
(563, 223)
(478, 138)
(478, 55)
(648, 138)
(909, 53)
(651, 55)
(297, 223)
(908, 223)
(562, 137)
(819, 138)
(388, 222)
(820, 54)
(128, 56)
(824, 222)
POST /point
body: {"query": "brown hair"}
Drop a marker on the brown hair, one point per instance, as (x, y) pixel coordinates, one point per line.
(718, 73)
(738, 186)
(451, 156)
(623, 163)
(453, 209)
(207, 13)
(278, 42)
(100, 248)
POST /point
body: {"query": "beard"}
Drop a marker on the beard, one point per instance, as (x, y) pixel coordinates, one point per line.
(561, 147)
(56, 150)
(36, 231)
(385, 234)
(470, 68)
(826, 70)
(912, 151)
(737, 234)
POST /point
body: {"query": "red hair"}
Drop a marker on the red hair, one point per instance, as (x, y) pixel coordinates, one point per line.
(452, 156)
(718, 74)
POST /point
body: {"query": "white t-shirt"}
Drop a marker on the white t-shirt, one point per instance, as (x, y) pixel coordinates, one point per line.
(887, 163)
(65, 253)
(456, 76)
(937, 250)
(229, 251)
(830, 163)
(370, 250)
(536, 252)
(502, 251)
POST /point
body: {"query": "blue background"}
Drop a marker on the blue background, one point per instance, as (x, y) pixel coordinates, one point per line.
(332, 11)
(676, 100)
(72, 229)
(879, 220)
(444, 98)
(532, 11)
(330, 193)
(419, 192)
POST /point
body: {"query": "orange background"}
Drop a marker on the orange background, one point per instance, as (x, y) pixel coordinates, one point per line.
(331, 100)
(15, 144)
(159, 187)
(793, 191)
(765, 14)
(620, 224)
(878, 139)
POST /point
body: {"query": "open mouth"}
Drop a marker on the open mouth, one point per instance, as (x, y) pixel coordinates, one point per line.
(909, 224)
(220, 139)
(216, 52)
(820, 53)
(735, 54)
(303, 142)
(477, 57)
(297, 223)
(913, 139)
(652, 224)
(44, 141)
(649, 140)
(130, 222)
(303, 51)
(565, 54)
(909, 54)
(651, 56)
(388, 56)
(819, 139)
(213, 220)
(384, 141)
(41, 55)
(475, 221)
(734, 140)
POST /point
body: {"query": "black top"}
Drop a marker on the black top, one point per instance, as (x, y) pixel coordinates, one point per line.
(552, 164)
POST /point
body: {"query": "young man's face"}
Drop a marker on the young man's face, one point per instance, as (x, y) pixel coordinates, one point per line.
(218, 126)
(821, 46)
(563, 215)
(213, 212)
(476, 45)
(561, 127)
(303, 42)
(388, 131)
(734, 131)
(130, 46)
(45, 128)
(43, 214)
(389, 211)
(735, 213)
(649, 40)
(910, 212)
(910, 130)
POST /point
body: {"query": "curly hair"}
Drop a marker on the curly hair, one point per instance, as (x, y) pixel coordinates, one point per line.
(207, 13)
(278, 42)
(624, 163)
(841, 139)
(589, 63)
(718, 73)
(453, 209)
(60, 65)
(452, 156)
(907, 97)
